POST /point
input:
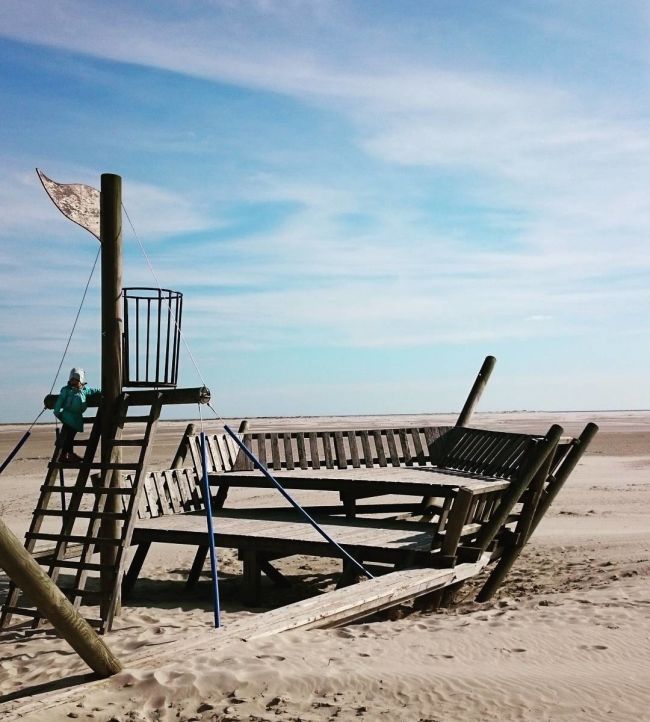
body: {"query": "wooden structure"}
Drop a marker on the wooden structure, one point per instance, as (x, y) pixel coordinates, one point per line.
(70, 512)
(22, 567)
(482, 496)
(461, 492)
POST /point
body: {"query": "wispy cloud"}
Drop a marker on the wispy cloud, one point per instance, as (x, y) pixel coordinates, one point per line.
(475, 197)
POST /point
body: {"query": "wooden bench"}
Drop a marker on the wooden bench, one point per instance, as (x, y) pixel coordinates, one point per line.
(522, 473)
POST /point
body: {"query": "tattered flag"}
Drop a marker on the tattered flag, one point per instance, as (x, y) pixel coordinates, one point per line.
(77, 202)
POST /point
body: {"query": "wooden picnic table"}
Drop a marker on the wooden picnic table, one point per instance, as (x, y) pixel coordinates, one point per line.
(409, 481)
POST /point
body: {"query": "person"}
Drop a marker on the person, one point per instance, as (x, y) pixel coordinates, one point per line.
(69, 408)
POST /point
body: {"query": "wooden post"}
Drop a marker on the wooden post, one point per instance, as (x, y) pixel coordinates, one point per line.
(477, 390)
(183, 447)
(111, 240)
(27, 574)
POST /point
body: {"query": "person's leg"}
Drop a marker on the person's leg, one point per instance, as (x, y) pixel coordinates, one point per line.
(66, 438)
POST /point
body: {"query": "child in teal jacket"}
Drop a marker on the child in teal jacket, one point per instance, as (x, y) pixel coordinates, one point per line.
(69, 409)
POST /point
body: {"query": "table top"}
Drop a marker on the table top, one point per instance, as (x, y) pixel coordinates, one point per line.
(410, 480)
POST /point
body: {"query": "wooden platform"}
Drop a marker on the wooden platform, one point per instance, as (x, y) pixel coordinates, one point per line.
(287, 534)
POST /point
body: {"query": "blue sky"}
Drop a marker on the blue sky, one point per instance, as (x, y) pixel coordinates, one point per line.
(359, 200)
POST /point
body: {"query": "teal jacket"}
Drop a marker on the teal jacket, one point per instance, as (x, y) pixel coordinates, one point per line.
(71, 404)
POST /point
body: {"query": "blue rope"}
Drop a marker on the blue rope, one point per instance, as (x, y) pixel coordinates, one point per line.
(294, 503)
(7, 461)
(213, 552)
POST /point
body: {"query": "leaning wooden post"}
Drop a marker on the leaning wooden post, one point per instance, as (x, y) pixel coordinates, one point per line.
(111, 239)
(477, 390)
(27, 574)
(183, 447)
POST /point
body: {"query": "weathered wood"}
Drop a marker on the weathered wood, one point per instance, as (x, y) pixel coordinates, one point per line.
(322, 611)
(476, 391)
(146, 397)
(50, 600)
(561, 469)
(110, 224)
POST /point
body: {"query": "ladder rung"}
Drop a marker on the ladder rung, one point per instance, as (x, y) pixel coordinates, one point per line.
(74, 538)
(23, 611)
(135, 419)
(122, 466)
(89, 595)
(88, 566)
(71, 551)
(128, 442)
(127, 490)
(85, 514)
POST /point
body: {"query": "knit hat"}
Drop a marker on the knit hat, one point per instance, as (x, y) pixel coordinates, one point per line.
(79, 374)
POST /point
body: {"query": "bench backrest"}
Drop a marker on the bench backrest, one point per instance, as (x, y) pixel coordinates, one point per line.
(170, 491)
(482, 452)
(338, 449)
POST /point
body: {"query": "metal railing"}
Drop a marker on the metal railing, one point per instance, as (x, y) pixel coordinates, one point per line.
(151, 338)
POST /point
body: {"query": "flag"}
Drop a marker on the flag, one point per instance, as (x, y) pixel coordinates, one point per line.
(77, 202)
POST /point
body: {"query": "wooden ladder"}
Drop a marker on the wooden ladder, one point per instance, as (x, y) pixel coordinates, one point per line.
(82, 514)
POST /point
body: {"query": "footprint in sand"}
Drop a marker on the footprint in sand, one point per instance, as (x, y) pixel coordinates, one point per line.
(274, 657)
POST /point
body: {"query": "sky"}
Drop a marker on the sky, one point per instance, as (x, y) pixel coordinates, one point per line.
(359, 199)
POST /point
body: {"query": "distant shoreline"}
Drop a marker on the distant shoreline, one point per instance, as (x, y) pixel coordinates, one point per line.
(370, 416)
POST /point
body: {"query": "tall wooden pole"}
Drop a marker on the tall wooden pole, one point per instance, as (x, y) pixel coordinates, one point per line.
(477, 390)
(111, 239)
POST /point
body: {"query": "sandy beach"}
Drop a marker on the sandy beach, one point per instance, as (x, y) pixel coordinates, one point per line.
(566, 638)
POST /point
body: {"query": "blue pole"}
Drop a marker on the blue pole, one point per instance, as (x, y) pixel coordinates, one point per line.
(294, 503)
(7, 461)
(213, 553)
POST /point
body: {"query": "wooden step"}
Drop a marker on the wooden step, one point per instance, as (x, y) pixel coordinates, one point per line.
(69, 488)
(67, 564)
(85, 514)
(22, 611)
(120, 466)
(134, 419)
(74, 538)
(127, 442)
(89, 596)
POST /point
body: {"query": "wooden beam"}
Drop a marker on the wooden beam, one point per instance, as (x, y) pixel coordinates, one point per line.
(110, 225)
(26, 573)
(197, 395)
(476, 391)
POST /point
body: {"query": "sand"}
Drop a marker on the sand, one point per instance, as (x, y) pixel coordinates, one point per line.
(566, 638)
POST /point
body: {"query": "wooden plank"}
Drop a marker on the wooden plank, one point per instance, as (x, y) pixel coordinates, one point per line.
(392, 447)
(151, 495)
(354, 450)
(160, 489)
(275, 453)
(172, 486)
(302, 451)
(365, 445)
(379, 448)
(288, 451)
(260, 448)
(313, 450)
(326, 438)
(223, 453)
(213, 455)
(417, 447)
(341, 457)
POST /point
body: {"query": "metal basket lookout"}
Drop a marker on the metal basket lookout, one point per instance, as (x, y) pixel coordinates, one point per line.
(151, 338)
